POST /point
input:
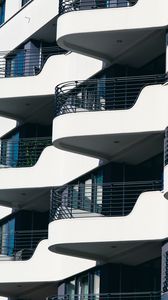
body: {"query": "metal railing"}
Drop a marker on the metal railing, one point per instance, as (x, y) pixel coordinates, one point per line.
(22, 153)
(108, 199)
(153, 295)
(20, 245)
(76, 5)
(26, 62)
(166, 147)
(102, 94)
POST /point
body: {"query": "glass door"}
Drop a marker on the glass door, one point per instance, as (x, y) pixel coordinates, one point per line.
(83, 287)
(70, 290)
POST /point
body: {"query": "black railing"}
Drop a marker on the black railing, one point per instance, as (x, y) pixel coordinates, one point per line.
(75, 5)
(153, 295)
(166, 147)
(108, 199)
(20, 245)
(25, 62)
(102, 94)
(22, 153)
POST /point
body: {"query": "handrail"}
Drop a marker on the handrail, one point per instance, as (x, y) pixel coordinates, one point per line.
(101, 94)
(23, 152)
(98, 200)
(148, 295)
(26, 62)
(166, 147)
(20, 245)
(76, 5)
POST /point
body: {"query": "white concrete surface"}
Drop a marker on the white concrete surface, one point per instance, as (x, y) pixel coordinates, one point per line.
(147, 221)
(57, 69)
(26, 22)
(54, 168)
(44, 266)
(149, 114)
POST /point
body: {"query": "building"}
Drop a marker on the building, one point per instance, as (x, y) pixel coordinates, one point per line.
(85, 170)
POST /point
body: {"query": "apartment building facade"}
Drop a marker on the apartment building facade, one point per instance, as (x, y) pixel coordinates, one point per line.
(85, 169)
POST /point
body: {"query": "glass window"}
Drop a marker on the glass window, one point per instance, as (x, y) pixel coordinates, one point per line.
(7, 236)
(70, 289)
(83, 287)
(24, 2)
(2, 11)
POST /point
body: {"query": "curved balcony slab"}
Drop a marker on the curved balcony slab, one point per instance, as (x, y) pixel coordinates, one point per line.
(30, 18)
(21, 95)
(102, 237)
(125, 27)
(83, 132)
(20, 186)
(44, 267)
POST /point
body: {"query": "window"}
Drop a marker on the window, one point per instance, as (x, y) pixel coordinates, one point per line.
(2, 11)
(24, 2)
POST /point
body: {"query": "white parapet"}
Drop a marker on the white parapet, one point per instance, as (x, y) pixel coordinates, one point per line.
(147, 116)
(94, 236)
(54, 168)
(43, 266)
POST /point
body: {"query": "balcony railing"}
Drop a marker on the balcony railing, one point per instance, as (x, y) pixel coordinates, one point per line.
(25, 62)
(166, 147)
(108, 199)
(153, 295)
(76, 5)
(20, 245)
(102, 94)
(23, 152)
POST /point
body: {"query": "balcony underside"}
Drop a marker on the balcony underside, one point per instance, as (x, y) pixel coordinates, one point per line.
(33, 291)
(30, 199)
(99, 237)
(116, 147)
(37, 109)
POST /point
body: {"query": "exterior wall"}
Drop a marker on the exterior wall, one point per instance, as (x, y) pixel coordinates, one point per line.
(11, 7)
(30, 19)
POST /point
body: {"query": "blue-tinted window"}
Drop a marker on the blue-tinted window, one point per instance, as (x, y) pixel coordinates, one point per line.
(2, 11)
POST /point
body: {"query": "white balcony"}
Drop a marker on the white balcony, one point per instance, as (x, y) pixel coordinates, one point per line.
(37, 277)
(112, 134)
(108, 238)
(29, 187)
(26, 98)
(87, 28)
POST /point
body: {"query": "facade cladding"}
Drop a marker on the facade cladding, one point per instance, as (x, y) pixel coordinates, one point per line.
(85, 170)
